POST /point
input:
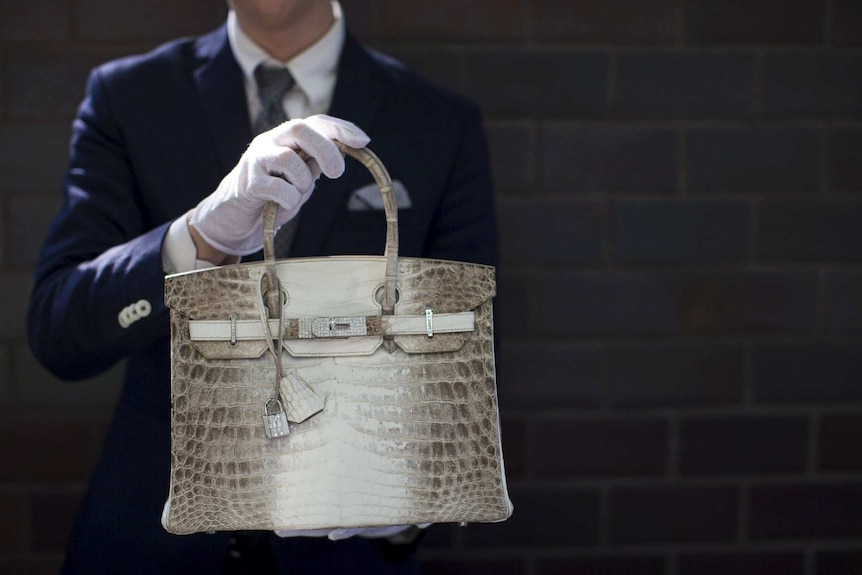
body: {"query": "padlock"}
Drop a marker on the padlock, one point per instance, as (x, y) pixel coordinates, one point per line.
(275, 423)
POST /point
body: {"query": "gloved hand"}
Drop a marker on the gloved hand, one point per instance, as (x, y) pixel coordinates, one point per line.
(339, 534)
(230, 219)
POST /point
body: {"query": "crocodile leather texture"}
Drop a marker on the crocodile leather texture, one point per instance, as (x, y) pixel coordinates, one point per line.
(406, 436)
(383, 430)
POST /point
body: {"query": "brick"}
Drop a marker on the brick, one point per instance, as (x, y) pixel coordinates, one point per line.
(38, 389)
(810, 231)
(543, 517)
(105, 20)
(30, 218)
(627, 447)
(50, 565)
(589, 304)
(4, 89)
(5, 377)
(680, 232)
(845, 167)
(552, 233)
(52, 517)
(807, 373)
(5, 224)
(13, 305)
(742, 564)
(512, 147)
(454, 20)
(603, 566)
(34, 75)
(513, 316)
(680, 85)
(748, 302)
(642, 22)
(523, 83)
(743, 445)
(14, 509)
(838, 441)
(550, 374)
(755, 22)
(839, 562)
(675, 374)
(817, 85)
(752, 160)
(44, 451)
(513, 433)
(440, 64)
(34, 20)
(641, 515)
(846, 23)
(844, 307)
(474, 566)
(608, 160)
(805, 511)
(567, 305)
(361, 17)
(33, 158)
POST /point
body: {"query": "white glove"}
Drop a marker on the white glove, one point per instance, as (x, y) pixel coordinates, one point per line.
(339, 534)
(230, 219)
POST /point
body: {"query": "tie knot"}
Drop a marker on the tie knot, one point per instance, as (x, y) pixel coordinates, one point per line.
(272, 84)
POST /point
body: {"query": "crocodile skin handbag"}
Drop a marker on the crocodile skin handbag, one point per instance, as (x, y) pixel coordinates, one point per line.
(334, 392)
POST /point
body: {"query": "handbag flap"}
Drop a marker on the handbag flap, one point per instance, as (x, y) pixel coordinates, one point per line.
(331, 287)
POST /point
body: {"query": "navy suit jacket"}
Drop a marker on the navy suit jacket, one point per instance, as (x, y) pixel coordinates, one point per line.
(155, 134)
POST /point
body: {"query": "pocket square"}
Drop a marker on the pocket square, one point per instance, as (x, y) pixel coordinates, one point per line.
(368, 198)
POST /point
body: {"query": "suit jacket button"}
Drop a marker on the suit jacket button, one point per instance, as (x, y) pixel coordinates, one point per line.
(143, 308)
(123, 318)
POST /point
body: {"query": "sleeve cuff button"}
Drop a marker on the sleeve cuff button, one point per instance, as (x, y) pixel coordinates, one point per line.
(132, 313)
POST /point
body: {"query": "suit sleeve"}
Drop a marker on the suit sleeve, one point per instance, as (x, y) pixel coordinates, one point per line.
(465, 225)
(98, 290)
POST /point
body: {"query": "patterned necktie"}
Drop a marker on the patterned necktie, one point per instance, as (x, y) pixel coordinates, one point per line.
(272, 86)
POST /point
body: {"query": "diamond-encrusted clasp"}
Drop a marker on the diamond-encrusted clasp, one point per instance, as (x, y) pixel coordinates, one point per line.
(347, 326)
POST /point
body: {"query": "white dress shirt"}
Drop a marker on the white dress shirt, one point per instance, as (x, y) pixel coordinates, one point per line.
(314, 71)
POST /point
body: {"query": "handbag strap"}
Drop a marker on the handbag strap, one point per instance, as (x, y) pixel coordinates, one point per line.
(390, 250)
(274, 348)
(235, 330)
(271, 293)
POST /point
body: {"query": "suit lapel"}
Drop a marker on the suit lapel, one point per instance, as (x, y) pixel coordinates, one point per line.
(359, 95)
(222, 94)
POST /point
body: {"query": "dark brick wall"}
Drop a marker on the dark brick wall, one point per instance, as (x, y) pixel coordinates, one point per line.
(680, 199)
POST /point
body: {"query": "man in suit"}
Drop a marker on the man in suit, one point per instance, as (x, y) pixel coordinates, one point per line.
(157, 148)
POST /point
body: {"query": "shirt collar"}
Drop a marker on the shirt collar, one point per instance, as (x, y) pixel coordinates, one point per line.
(313, 69)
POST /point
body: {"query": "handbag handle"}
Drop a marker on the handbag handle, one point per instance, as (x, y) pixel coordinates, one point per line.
(390, 251)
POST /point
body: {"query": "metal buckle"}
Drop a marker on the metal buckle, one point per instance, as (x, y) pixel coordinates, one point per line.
(329, 327)
(429, 322)
(233, 340)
